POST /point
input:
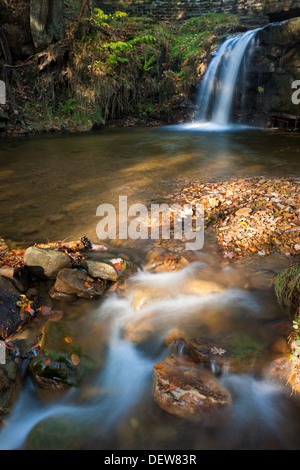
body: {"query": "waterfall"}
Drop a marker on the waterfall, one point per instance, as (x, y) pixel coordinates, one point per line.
(218, 86)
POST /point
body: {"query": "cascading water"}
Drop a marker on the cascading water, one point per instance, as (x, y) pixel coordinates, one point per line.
(221, 78)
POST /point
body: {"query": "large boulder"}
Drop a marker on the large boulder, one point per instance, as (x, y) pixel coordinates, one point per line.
(270, 75)
(46, 263)
(187, 390)
(18, 276)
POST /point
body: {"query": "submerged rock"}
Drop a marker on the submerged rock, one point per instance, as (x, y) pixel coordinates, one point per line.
(10, 386)
(18, 276)
(234, 352)
(65, 357)
(183, 388)
(46, 263)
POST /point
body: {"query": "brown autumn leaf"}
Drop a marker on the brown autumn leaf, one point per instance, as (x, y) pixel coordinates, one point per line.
(75, 359)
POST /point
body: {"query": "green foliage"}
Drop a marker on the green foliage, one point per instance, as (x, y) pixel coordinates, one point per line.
(147, 65)
(117, 50)
(69, 106)
(99, 18)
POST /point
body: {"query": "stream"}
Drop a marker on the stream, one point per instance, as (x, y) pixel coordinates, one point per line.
(50, 188)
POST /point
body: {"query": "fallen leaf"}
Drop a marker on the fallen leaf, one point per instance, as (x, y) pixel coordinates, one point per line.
(47, 362)
(75, 359)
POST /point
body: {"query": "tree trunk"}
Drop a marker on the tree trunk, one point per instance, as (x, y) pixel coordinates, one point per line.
(6, 70)
(46, 22)
(85, 12)
(6, 54)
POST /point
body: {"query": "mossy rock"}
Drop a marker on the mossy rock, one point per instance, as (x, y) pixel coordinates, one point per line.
(65, 357)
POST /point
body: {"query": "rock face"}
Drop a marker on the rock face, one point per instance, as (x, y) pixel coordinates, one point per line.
(65, 357)
(186, 389)
(271, 74)
(236, 353)
(46, 263)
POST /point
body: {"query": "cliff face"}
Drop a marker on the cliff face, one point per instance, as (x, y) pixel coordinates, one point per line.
(274, 68)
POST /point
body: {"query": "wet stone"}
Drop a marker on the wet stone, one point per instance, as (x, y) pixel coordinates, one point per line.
(187, 390)
(76, 282)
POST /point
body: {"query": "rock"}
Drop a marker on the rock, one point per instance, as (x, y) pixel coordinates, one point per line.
(65, 356)
(46, 263)
(49, 314)
(10, 386)
(110, 269)
(79, 283)
(18, 277)
(62, 296)
(175, 335)
(234, 352)
(184, 389)
(11, 316)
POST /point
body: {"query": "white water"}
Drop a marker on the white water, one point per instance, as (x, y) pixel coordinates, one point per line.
(218, 86)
